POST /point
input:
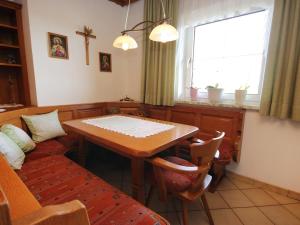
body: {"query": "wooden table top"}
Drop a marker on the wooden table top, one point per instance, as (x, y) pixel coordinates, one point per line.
(136, 147)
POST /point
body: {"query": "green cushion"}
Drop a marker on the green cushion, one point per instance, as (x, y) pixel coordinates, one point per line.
(11, 151)
(44, 127)
(20, 137)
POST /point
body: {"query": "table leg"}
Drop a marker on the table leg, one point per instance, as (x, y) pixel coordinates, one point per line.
(138, 186)
(82, 151)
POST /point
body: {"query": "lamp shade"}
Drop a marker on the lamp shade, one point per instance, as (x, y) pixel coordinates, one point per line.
(164, 33)
(125, 42)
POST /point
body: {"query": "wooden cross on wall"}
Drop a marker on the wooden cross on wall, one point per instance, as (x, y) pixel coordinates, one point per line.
(87, 34)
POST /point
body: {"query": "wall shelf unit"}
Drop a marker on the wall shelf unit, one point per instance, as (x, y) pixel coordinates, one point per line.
(14, 88)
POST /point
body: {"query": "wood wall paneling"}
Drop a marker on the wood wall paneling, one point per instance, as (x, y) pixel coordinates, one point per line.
(188, 118)
(208, 119)
(84, 113)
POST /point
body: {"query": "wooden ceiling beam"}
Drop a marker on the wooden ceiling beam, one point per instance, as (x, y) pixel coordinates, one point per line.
(123, 2)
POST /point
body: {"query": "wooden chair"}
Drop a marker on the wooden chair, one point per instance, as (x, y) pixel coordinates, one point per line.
(186, 180)
(71, 213)
(222, 158)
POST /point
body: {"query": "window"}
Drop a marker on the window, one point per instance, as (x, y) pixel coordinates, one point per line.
(231, 53)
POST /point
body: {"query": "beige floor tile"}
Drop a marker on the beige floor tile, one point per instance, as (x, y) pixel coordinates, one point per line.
(259, 197)
(252, 216)
(226, 184)
(279, 215)
(173, 218)
(236, 199)
(294, 209)
(215, 201)
(281, 198)
(242, 184)
(225, 216)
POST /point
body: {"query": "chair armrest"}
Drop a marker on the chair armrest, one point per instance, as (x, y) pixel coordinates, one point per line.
(162, 163)
(71, 213)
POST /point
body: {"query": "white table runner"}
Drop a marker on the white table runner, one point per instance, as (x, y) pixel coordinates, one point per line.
(134, 127)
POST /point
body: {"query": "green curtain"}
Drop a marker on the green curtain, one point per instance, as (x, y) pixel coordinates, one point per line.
(159, 59)
(281, 90)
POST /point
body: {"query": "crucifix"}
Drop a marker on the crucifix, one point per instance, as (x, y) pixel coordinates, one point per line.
(87, 34)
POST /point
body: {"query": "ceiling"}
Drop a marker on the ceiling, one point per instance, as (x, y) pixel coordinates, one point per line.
(123, 2)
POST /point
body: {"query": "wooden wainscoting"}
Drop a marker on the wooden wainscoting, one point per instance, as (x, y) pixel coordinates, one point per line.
(65, 113)
(207, 118)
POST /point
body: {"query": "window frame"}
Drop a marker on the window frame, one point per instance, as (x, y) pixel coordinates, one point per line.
(251, 99)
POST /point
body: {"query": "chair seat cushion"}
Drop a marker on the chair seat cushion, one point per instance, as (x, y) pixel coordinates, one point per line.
(56, 180)
(46, 148)
(225, 155)
(177, 182)
(70, 141)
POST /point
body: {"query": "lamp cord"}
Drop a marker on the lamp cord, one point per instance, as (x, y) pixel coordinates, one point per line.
(128, 9)
(163, 7)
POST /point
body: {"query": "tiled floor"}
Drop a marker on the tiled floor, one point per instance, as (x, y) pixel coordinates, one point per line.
(234, 203)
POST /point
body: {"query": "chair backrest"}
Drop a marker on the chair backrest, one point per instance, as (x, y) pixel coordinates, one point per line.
(202, 154)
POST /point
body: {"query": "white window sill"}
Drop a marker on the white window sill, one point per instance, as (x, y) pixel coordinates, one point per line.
(224, 103)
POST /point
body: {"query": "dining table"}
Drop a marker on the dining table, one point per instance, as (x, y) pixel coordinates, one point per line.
(136, 138)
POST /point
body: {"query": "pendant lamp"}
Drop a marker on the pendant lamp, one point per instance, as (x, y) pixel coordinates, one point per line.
(125, 41)
(163, 32)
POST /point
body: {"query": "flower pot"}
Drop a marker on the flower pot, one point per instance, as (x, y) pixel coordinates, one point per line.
(194, 93)
(240, 96)
(214, 95)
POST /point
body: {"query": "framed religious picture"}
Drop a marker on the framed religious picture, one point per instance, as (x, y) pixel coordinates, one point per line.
(58, 46)
(105, 62)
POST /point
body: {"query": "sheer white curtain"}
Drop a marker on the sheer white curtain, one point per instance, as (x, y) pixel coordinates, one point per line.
(197, 12)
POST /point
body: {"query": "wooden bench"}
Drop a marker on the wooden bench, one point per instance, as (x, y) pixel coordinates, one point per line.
(19, 207)
(22, 204)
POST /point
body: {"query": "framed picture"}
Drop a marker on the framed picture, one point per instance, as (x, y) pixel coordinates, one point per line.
(105, 62)
(58, 46)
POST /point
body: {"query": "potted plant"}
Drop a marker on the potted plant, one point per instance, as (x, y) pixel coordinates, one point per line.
(214, 94)
(194, 93)
(240, 95)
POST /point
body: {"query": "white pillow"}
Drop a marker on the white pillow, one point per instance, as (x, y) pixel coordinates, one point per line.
(11, 151)
(44, 127)
(19, 136)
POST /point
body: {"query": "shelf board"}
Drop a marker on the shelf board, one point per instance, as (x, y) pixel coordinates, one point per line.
(9, 46)
(8, 26)
(10, 65)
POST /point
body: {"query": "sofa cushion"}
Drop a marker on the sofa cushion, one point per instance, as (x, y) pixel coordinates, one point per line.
(44, 127)
(20, 199)
(19, 136)
(56, 179)
(70, 141)
(45, 149)
(11, 151)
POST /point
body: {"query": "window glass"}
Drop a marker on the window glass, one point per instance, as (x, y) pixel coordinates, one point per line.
(230, 53)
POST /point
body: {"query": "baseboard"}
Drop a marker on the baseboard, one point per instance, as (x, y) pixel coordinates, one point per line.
(263, 185)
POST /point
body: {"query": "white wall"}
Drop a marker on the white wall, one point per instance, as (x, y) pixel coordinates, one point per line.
(270, 151)
(70, 81)
(134, 57)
